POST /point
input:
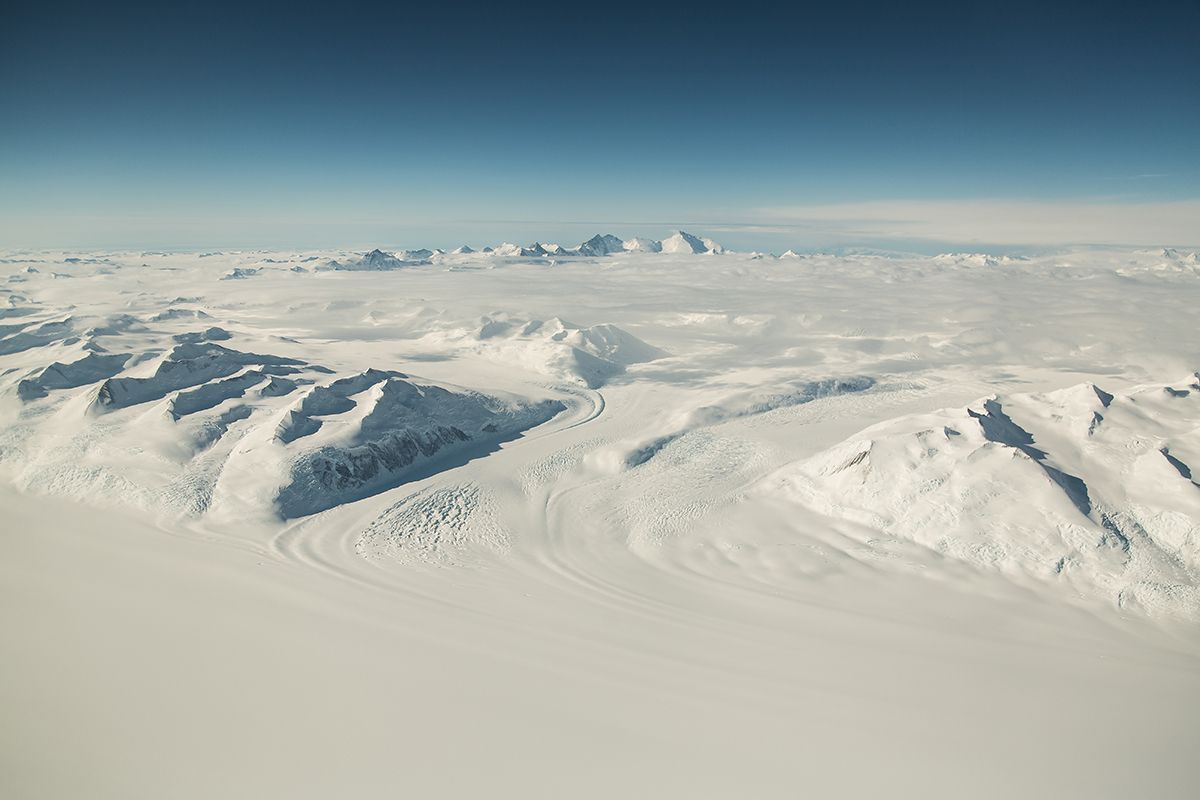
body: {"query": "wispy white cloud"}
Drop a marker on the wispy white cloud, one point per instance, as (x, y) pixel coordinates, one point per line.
(1016, 222)
(1141, 176)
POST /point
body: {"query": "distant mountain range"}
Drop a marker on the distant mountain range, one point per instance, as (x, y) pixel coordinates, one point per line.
(606, 244)
(602, 244)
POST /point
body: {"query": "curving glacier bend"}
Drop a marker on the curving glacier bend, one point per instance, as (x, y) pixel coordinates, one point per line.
(735, 493)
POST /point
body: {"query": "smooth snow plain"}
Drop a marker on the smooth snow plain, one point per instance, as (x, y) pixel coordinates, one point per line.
(646, 519)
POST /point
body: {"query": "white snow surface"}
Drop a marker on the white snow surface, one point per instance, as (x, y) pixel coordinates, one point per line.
(637, 518)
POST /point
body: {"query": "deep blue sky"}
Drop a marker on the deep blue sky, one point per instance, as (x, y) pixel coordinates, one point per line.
(334, 123)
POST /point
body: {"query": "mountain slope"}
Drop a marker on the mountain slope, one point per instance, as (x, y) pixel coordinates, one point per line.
(1092, 491)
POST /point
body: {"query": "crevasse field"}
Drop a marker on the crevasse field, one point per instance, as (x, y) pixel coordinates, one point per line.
(640, 520)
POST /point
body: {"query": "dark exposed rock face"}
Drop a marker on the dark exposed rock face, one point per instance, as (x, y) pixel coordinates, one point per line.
(408, 424)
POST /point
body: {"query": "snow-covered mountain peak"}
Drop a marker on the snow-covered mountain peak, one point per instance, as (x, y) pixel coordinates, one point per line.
(640, 244)
(684, 242)
(602, 244)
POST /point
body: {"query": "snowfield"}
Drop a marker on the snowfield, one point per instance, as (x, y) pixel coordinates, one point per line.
(635, 518)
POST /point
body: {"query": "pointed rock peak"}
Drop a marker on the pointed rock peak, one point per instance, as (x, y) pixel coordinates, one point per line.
(683, 242)
(1104, 397)
(601, 244)
(378, 258)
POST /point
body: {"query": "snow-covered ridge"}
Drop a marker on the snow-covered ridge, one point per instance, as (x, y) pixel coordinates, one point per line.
(403, 423)
(234, 432)
(1094, 490)
(591, 355)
